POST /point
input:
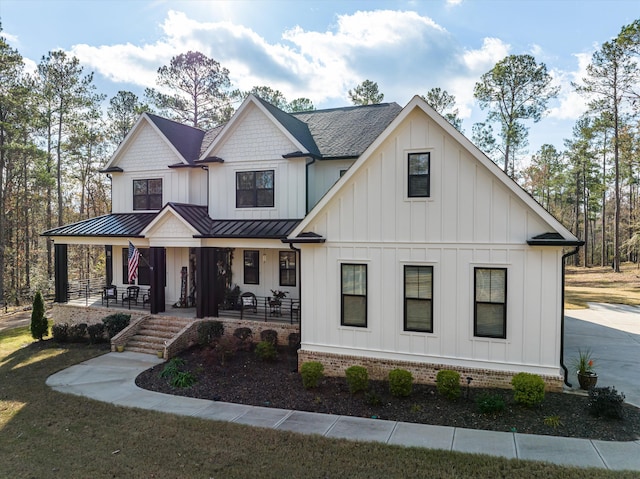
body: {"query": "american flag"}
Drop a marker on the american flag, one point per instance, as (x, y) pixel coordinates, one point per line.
(134, 259)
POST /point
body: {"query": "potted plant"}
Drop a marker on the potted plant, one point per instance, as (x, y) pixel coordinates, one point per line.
(587, 377)
(278, 296)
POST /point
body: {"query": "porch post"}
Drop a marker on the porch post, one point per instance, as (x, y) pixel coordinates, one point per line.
(108, 253)
(158, 263)
(206, 279)
(61, 272)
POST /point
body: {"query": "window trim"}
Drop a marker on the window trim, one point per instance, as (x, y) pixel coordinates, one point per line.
(144, 268)
(343, 296)
(409, 175)
(430, 301)
(256, 265)
(294, 269)
(255, 189)
(476, 302)
(147, 195)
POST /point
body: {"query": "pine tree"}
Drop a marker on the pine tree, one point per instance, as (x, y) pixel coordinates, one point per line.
(39, 325)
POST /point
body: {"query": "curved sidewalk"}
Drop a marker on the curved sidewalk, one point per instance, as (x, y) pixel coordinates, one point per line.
(111, 378)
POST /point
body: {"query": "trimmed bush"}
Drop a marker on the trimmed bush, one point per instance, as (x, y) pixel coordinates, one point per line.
(448, 384)
(266, 351)
(490, 403)
(269, 335)
(400, 383)
(114, 323)
(606, 402)
(96, 332)
(60, 332)
(357, 379)
(209, 331)
(312, 373)
(244, 337)
(226, 347)
(528, 389)
(39, 325)
(77, 332)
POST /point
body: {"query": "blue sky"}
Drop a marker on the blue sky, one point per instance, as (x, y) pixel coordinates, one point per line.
(321, 49)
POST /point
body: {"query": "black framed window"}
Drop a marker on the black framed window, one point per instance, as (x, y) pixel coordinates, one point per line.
(147, 194)
(254, 189)
(287, 268)
(353, 280)
(490, 318)
(251, 267)
(418, 298)
(419, 185)
(144, 272)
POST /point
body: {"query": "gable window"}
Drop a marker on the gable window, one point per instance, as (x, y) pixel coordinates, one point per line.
(147, 194)
(287, 268)
(251, 267)
(419, 175)
(144, 271)
(254, 189)
(418, 298)
(354, 295)
(490, 318)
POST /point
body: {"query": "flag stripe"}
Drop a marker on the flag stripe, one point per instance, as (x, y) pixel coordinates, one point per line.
(134, 259)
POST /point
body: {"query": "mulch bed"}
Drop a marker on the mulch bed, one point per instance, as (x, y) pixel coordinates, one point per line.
(245, 379)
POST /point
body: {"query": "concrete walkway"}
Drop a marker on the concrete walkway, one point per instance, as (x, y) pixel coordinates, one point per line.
(111, 378)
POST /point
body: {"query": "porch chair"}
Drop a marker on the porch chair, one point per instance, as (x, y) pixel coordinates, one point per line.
(131, 294)
(109, 292)
(248, 301)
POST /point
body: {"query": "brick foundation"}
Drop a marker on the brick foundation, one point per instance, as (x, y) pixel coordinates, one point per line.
(424, 373)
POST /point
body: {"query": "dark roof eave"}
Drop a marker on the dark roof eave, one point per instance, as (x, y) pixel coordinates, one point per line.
(554, 242)
(112, 169)
(317, 239)
(210, 159)
(300, 154)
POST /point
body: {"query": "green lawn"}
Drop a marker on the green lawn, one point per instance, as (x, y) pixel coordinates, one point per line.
(46, 434)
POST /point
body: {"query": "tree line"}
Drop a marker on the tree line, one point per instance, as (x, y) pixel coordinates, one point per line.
(57, 131)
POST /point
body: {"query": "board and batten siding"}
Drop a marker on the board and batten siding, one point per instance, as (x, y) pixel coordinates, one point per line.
(471, 220)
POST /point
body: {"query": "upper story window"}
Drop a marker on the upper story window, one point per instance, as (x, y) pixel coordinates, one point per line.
(147, 194)
(419, 185)
(254, 189)
(490, 318)
(287, 268)
(354, 295)
(418, 298)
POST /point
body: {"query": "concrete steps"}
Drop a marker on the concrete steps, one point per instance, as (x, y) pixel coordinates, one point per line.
(155, 333)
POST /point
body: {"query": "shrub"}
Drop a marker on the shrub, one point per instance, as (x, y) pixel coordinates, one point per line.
(114, 323)
(183, 379)
(357, 379)
(490, 403)
(400, 383)
(528, 389)
(606, 402)
(172, 368)
(96, 332)
(208, 331)
(39, 325)
(77, 332)
(266, 351)
(448, 383)
(311, 373)
(226, 347)
(60, 332)
(269, 335)
(372, 398)
(244, 337)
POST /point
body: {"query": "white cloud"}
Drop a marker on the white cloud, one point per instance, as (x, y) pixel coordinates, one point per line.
(571, 105)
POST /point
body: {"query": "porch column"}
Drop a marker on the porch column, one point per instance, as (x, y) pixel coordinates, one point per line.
(158, 263)
(206, 280)
(108, 266)
(61, 272)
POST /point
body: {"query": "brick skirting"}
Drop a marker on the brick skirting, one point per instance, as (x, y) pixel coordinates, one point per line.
(425, 373)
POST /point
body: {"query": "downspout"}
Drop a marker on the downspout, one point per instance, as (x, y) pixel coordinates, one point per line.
(206, 168)
(566, 371)
(306, 186)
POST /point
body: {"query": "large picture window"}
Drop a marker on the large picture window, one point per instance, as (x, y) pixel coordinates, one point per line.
(251, 267)
(147, 194)
(254, 189)
(419, 184)
(418, 298)
(287, 268)
(144, 272)
(490, 302)
(354, 295)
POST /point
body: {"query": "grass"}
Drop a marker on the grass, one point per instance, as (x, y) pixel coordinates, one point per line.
(602, 285)
(44, 433)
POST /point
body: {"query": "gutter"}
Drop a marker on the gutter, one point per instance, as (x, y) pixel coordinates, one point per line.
(566, 371)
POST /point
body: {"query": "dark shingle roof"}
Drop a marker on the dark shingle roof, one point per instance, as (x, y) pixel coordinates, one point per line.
(116, 224)
(209, 136)
(186, 139)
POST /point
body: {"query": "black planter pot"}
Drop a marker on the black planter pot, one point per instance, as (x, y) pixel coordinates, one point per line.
(587, 380)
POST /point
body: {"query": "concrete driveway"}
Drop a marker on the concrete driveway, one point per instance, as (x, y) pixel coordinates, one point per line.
(612, 333)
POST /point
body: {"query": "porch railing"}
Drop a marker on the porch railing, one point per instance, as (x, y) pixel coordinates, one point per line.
(85, 288)
(264, 308)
